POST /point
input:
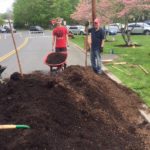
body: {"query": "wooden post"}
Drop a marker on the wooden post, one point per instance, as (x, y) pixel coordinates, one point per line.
(143, 69)
(86, 42)
(19, 64)
(85, 47)
(93, 10)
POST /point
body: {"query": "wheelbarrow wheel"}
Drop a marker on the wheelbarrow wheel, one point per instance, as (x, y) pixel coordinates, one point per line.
(65, 66)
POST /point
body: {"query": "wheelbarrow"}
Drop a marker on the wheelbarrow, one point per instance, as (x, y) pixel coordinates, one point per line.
(56, 61)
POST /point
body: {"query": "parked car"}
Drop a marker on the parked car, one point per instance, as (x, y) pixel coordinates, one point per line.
(148, 22)
(77, 30)
(139, 28)
(8, 29)
(117, 26)
(111, 30)
(67, 27)
(2, 30)
(36, 28)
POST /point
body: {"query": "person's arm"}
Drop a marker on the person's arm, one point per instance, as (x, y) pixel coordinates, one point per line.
(67, 40)
(102, 44)
(53, 42)
(89, 30)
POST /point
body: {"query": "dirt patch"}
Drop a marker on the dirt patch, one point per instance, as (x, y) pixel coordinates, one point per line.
(136, 45)
(74, 110)
(56, 58)
(109, 41)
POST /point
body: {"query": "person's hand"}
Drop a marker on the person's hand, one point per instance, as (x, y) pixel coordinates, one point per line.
(67, 47)
(86, 23)
(52, 49)
(101, 49)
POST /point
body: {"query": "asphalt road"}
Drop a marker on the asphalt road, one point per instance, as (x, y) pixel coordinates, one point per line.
(33, 52)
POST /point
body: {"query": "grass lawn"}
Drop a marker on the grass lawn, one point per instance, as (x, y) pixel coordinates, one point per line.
(137, 80)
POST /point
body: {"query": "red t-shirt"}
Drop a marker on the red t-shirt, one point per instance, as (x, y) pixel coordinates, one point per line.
(60, 34)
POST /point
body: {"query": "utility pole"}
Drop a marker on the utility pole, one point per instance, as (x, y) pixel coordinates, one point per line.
(93, 10)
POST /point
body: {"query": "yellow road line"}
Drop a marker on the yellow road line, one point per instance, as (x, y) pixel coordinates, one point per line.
(13, 52)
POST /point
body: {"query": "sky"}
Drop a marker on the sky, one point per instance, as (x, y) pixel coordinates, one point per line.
(5, 5)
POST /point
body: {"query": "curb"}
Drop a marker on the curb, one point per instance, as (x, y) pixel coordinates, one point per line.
(144, 113)
(79, 48)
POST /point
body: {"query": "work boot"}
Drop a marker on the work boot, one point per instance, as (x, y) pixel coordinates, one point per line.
(95, 71)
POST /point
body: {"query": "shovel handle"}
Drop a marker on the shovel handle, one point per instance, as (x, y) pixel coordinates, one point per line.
(4, 127)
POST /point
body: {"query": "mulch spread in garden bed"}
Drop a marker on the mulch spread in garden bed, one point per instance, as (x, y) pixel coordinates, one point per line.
(73, 110)
(56, 58)
(123, 45)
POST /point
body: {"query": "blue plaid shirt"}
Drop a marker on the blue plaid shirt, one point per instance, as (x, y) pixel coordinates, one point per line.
(97, 37)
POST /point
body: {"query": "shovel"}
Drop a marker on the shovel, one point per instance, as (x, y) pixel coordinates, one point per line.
(86, 42)
(4, 127)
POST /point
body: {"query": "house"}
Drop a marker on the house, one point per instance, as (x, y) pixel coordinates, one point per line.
(7, 23)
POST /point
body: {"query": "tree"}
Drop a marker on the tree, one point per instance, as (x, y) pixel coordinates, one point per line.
(129, 9)
(41, 12)
(111, 10)
(83, 11)
(1, 21)
(7, 15)
(104, 13)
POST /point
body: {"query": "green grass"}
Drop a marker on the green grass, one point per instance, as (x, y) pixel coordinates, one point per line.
(138, 81)
(79, 40)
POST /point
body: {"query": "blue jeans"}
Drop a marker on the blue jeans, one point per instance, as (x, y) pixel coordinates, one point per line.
(95, 54)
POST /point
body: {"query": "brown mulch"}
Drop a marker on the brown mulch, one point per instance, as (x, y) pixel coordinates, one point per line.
(109, 41)
(56, 58)
(123, 45)
(73, 110)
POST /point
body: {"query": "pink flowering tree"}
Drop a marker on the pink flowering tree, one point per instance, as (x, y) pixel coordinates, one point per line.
(107, 13)
(104, 13)
(131, 9)
(109, 10)
(83, 11)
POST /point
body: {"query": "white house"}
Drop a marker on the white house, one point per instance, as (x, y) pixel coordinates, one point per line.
(7, 23)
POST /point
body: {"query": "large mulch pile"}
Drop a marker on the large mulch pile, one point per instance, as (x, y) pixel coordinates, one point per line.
(73, 110)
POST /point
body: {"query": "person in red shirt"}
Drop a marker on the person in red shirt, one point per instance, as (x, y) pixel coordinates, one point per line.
(60, 37)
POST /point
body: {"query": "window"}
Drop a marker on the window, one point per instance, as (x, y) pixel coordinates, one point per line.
(138, 26)
(132, 25)
(73, 28)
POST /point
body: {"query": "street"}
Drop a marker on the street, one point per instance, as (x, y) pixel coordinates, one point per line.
(32, 50)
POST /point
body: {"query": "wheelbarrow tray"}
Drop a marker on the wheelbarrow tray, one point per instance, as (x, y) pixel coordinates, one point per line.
(65, 54)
